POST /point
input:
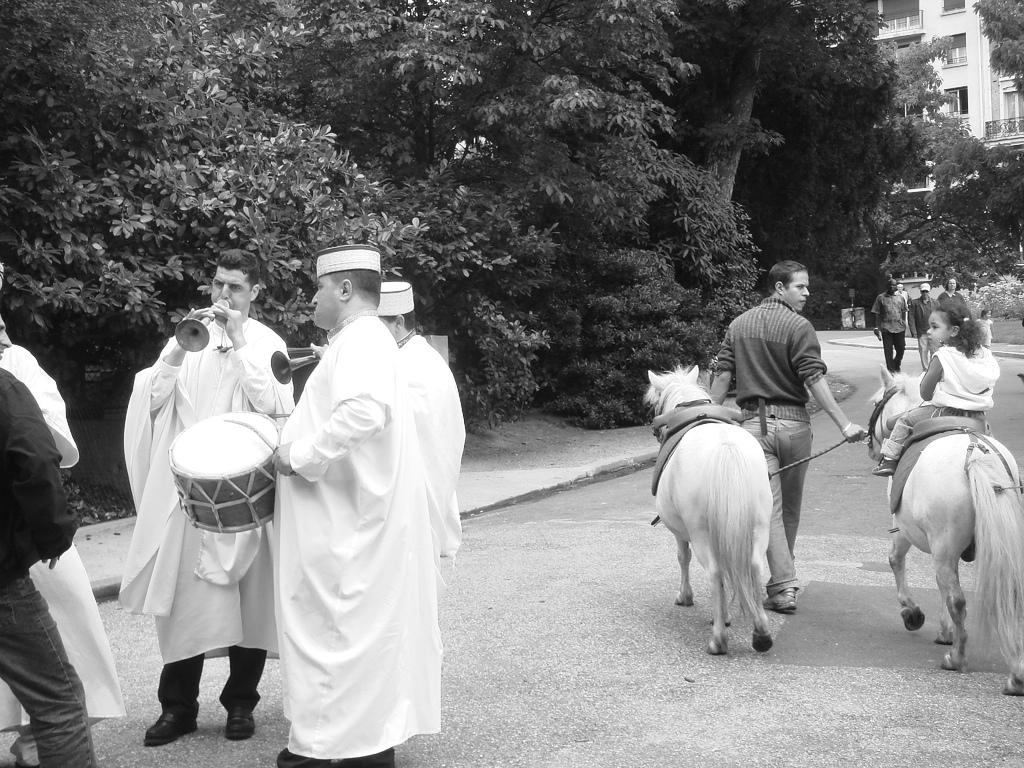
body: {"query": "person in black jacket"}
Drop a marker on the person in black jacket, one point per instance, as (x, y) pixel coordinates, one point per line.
(35, 525)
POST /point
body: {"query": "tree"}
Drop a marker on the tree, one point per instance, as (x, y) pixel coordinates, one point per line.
(1002, 22)
(150, 162)
(545, 114)
(966, 223)
(814, 146)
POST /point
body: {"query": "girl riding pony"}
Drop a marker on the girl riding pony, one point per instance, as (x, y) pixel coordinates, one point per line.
(959, 381)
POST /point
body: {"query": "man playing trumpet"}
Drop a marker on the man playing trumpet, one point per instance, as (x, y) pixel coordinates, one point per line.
(210, 593)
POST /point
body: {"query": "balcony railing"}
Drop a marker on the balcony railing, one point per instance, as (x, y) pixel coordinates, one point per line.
(956, 56)
(998, 129)
(901, 24)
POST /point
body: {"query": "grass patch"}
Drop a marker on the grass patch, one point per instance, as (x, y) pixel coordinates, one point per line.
(1007, 331)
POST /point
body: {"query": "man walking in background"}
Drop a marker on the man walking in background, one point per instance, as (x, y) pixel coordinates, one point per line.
(775, 355)
(890, 311)
(921, 309)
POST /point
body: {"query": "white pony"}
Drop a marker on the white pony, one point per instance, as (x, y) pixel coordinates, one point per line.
(953, 495)
(714, 494)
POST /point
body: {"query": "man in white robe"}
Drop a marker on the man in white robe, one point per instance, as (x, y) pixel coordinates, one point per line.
(65, 586)
(438, 411)
(356, 583)
(211, 593)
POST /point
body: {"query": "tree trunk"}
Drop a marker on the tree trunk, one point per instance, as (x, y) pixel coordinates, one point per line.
(725, 153)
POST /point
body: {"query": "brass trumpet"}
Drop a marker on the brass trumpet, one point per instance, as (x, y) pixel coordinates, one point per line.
(193, 335)
(284, 365)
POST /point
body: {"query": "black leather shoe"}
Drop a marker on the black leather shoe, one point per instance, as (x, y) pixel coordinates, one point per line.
(240, 724)
(167, 728)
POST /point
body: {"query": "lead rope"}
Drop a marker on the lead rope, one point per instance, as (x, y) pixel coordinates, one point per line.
(657, 518)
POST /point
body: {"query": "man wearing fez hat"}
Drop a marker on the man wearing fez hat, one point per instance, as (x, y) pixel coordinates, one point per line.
(356, 593)
(438, 412)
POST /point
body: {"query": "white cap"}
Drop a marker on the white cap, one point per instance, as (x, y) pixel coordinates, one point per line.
(395, 299)
(925, 287)
(341, 258)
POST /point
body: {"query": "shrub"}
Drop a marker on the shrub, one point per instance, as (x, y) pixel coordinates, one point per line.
(1003, 298)
(624, 315)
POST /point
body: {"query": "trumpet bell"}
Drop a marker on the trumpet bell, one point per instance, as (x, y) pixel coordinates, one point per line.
(191, 335)
(282, 367)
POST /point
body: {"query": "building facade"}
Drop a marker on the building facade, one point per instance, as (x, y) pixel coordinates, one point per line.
(984, 100)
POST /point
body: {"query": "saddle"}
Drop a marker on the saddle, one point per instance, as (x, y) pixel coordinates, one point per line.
(672, 425)
(925, 434)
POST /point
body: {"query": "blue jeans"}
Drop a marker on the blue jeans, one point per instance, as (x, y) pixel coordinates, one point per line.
(35, 666)
(785, 441)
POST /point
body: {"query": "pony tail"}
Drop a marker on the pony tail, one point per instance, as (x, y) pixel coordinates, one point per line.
(970, 336)
(999, 534)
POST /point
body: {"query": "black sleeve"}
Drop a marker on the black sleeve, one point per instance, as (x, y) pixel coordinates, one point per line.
(32, 464)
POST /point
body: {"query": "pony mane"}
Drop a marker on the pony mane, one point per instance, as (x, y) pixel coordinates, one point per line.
(670, 388)
(902, 383)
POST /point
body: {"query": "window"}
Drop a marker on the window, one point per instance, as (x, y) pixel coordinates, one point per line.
(952, 5)
(958, 101)
(957, 53)
(1013, 104)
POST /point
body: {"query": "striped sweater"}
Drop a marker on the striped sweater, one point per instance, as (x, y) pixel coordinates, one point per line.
(774, 353)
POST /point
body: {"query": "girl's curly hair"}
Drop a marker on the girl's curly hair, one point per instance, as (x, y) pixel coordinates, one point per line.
(968, 339)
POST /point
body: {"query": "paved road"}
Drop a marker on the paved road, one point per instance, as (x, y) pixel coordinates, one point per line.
(564, 649)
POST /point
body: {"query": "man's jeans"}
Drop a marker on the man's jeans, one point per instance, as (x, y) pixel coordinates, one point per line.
(35, 666)
(786, 441)
(893, 345)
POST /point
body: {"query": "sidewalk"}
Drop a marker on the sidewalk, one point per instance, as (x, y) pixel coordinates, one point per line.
(1011, 351)
(487, 482)
(491, 478)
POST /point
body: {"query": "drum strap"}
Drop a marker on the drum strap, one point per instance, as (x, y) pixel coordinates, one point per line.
(253, 429)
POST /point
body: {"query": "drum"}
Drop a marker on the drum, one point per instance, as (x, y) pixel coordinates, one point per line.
(223, 468)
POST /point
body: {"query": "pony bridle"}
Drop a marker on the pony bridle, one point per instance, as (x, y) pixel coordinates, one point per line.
(877, 413)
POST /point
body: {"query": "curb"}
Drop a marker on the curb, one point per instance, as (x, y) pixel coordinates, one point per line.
(105, 590)
(593, 474)
(1010, 354)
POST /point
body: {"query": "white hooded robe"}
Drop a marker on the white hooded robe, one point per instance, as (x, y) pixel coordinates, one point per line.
(356, 584)
(66, 587)
(208, 591)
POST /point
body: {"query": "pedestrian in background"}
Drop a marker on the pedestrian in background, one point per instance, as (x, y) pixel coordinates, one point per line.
(890, 311)
(921, 309)
(900, 291)
(35, 525)
(953, 299)
(776, 357)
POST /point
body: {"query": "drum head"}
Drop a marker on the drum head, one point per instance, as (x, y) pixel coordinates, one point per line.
(224, 445)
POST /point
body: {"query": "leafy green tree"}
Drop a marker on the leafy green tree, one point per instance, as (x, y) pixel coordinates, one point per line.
(966, 223)
(788, 106)
(150, 163)
(547, 115)
(1002, 22)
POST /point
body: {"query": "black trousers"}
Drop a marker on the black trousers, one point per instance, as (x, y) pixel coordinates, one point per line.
(893, 345)
(178, 691)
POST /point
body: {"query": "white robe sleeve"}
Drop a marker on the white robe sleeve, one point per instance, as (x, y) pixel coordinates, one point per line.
(352, 423)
